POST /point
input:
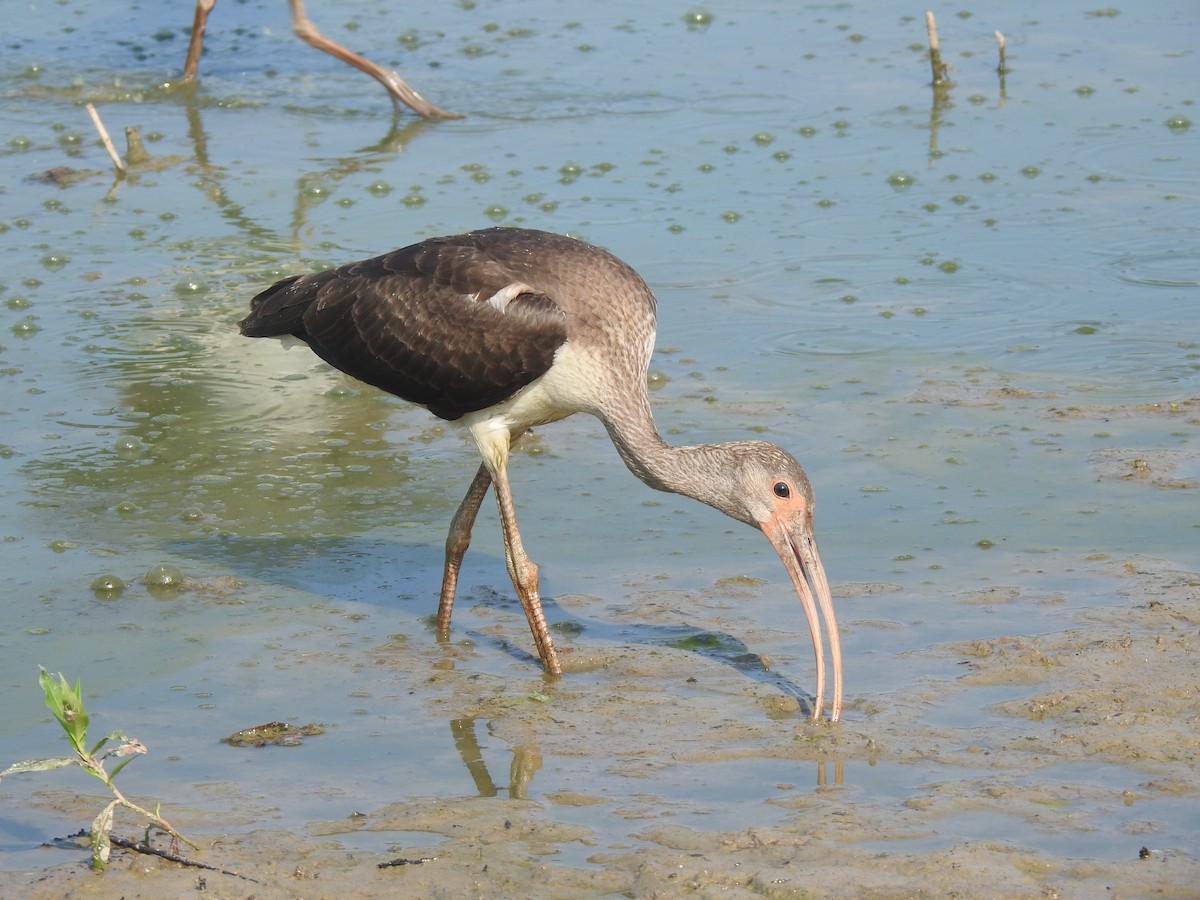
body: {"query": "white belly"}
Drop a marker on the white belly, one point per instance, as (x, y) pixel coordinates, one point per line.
(569, 387)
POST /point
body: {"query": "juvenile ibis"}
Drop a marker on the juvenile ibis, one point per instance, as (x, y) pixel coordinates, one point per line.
(505, 329)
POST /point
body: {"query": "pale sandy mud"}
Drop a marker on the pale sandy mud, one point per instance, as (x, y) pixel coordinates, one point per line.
(1120, 688)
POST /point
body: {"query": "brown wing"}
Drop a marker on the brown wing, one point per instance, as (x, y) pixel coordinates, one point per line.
(418, 323)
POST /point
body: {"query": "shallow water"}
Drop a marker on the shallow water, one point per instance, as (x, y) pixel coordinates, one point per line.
(967, 315)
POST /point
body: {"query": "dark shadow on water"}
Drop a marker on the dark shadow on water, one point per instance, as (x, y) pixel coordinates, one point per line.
(405, 576)
(718, 646)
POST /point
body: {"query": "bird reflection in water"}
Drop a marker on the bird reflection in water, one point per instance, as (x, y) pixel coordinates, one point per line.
(525, 762)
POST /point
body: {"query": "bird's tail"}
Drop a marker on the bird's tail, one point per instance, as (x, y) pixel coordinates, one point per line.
(279, 310)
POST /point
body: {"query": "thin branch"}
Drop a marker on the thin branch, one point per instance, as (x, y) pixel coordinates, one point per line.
(96, 767)
(106, 140)
(140, 847)
(158, 821)
(396, 86)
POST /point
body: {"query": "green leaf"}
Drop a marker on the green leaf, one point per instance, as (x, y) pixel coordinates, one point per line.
(37, 765)
(96, 770)
(119, 766)
(101, 837)
(111, 736)
(53, 693)
(67, 705)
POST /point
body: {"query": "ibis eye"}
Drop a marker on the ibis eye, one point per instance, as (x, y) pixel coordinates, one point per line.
(782, 490)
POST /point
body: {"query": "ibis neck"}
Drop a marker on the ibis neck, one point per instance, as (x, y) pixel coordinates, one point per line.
(657, 463)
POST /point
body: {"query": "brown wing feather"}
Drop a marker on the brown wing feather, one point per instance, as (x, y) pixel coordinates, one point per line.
(416, 323)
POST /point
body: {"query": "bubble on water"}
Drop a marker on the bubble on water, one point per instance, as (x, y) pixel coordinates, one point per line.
(190, 287)
(163, 576)
(655, 379)
(340, 391)
(108, 586)
(25, 328)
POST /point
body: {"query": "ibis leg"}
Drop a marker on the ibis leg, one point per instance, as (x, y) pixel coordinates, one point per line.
(304, 28)
(457, 542)
(524, 574)
(196, 45)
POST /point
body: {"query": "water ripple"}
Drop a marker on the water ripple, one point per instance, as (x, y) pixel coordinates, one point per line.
(1163, 268)
(1153, 154)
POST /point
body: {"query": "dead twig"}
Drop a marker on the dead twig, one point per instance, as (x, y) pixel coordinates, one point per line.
(393, 863)
(140, 847)
(106, 140)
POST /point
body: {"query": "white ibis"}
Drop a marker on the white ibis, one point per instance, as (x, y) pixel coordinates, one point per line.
(505, 329)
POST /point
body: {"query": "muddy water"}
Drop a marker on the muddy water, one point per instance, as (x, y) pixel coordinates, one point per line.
(971, 315)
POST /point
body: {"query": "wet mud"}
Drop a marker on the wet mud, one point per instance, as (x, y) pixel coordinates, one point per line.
(1118, 692)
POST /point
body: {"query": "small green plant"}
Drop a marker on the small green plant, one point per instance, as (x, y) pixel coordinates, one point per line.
(66, 702)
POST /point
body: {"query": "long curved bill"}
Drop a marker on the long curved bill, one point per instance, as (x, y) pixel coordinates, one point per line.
(798, 549)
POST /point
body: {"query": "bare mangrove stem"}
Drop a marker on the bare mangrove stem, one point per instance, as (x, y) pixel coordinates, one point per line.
(106, 140)
(935, 53)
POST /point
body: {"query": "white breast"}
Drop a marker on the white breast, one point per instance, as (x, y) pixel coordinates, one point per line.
(571, 386)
